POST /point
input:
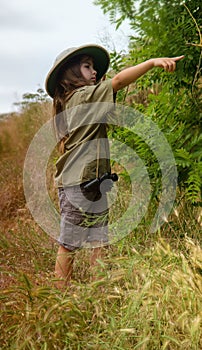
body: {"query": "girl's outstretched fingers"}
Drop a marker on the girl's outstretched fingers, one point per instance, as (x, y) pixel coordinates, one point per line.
(167, 63)
(172, 65)
(178, 58)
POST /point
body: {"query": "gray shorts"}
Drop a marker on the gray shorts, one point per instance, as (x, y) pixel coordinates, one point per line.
(84, 218)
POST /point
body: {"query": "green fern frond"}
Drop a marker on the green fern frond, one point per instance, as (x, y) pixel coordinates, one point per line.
(183, 158)
(194, 183)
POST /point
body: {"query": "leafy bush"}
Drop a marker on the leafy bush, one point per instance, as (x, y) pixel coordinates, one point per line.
(174, 102)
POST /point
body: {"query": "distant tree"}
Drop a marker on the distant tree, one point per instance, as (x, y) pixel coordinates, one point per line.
(29, 98)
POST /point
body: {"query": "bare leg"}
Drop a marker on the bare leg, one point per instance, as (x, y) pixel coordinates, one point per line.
(63, 267)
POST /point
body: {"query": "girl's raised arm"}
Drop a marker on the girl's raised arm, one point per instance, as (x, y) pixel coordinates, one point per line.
(129, 75)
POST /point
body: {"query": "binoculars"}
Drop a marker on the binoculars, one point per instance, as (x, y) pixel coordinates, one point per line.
(94, 185)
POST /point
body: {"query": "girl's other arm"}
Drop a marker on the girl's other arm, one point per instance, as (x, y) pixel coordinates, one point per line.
(129, 75)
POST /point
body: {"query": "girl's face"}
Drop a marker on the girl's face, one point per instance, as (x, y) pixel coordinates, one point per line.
(88, 71)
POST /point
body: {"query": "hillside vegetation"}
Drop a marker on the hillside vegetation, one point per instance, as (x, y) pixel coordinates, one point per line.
(148, 292)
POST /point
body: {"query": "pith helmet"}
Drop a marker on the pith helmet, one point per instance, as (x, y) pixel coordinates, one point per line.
(100, 59)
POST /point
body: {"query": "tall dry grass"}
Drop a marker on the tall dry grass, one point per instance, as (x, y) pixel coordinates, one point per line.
(16, 132)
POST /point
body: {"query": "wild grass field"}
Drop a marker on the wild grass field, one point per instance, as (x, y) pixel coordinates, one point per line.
(148, 294)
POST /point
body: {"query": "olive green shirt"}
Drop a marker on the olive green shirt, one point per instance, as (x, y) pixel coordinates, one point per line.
(86, 152)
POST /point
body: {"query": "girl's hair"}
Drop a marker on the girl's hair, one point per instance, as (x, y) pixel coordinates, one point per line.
(69, 79)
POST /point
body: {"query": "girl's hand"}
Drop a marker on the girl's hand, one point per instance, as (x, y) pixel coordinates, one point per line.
(168, 64)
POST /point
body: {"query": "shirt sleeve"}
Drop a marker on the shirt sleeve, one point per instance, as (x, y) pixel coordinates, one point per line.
(102, 92)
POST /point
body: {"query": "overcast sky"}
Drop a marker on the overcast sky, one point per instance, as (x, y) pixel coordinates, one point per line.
(34, 32)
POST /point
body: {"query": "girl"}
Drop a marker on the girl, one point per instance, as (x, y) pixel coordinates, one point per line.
(81, 100)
